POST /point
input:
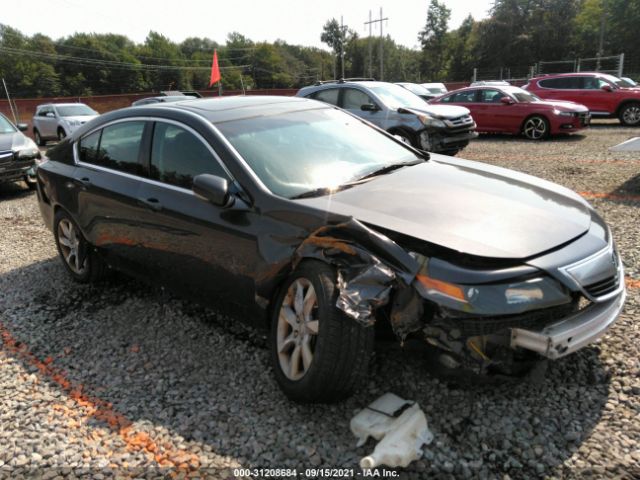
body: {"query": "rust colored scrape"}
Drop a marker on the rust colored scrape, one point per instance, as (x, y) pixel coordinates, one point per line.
(166, 455)
(632, 283)
(328, 242)
(610, 196)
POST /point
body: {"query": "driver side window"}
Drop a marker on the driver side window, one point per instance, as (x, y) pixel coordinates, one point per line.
(354, 99)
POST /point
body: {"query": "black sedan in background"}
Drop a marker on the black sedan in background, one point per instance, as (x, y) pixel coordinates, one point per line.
(317, 225)
(18, 154)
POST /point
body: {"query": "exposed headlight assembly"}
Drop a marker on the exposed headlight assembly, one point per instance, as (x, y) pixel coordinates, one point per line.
(504, 298)
(27, 150)
(429, 121)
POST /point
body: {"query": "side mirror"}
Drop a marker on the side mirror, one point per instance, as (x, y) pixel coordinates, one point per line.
(23, 127)
(213, 189)
(50, 115)
(607, 88)
(507, 100)
(369, 107)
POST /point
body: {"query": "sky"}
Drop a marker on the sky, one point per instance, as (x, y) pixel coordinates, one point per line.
(295, 21)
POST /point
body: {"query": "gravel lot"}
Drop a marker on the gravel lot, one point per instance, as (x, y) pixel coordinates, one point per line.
(121, 380)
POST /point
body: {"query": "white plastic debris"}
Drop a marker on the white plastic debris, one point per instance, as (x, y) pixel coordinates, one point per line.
(631, 145)
(401, 433)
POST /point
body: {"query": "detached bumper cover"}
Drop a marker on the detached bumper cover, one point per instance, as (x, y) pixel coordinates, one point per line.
(572, 333)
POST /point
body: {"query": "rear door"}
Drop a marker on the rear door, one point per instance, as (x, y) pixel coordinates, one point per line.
(106, 182)
(198, 248)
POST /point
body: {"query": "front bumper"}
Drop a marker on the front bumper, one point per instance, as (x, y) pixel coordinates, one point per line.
(573, 332)
(15, 170)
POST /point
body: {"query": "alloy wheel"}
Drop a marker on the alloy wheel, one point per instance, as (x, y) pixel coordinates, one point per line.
(535, 128)
(631, 115)
(61, 134)
(69, 240)
(297, 329)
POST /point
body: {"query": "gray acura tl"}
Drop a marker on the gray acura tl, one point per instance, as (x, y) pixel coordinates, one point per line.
(320, 227)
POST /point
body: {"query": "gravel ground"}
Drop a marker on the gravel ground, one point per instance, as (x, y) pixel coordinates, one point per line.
(119, 380)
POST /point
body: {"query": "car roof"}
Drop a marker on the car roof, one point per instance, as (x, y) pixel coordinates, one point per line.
(569, 74)
(225, 109)
(68, 104)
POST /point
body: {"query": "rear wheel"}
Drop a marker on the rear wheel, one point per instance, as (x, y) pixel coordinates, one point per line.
(77, 255)
(38, 138)
(318, 354)
(535, 128)
(630, 114)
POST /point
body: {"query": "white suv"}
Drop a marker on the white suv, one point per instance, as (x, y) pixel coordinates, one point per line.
(57, 120)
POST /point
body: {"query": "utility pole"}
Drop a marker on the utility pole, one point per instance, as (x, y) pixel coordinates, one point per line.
(341, 46)
(601, 40)
(380, 20)
(370, 23)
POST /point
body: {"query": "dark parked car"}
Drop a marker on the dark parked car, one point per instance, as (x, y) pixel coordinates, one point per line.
(437, 128)
(507, 109)
(18, 153)
(604, 95)
(417, 89)
(314, 224)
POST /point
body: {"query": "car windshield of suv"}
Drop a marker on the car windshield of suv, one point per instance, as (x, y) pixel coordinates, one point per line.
(395, 97)
(75, 111)
(417, 89)
(6, 126)
(300, 152)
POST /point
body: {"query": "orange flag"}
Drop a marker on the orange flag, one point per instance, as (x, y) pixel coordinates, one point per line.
(215, 70)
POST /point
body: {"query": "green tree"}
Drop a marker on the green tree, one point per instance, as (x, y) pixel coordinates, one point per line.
(433, 40)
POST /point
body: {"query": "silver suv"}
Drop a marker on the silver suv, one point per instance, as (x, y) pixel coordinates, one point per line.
(57, 120)
(401, 113)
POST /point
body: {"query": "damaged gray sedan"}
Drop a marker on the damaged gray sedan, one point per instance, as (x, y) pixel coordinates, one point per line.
(318, 226)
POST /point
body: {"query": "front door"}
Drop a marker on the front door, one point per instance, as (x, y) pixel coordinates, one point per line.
(193, 246)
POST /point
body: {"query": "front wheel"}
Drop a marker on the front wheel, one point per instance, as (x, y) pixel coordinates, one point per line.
(630, 114)
(319, 355)
(61, 134)
(535, 128)
(77, 255)
(38, 138)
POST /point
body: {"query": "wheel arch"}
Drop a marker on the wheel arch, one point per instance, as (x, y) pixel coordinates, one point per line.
(624, 103)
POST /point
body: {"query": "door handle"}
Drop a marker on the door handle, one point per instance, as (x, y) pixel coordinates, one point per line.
(83, 182)
(152, 203)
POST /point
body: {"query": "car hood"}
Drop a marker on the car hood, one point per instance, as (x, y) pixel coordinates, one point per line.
(564, 105)
(439, 111)
(466, 206)
(11, 141)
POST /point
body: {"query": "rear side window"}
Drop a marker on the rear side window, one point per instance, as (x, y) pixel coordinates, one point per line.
(88, 150)
(328, 96)
(563, 83)
(116, 147)
(177, 156)
(467, 96)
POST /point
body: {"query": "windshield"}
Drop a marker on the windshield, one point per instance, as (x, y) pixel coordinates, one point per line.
(297, 152)
(5, 125)
(75, 111)
(525, 97)
(417, 89)
(394, 96)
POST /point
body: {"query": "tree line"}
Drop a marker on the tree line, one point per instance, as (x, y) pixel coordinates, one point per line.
(515, 33)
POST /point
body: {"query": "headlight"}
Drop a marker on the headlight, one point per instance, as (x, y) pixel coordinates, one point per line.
(429, 121)
(73, 123)
(561, 113)
(507, 298)
(27, 150)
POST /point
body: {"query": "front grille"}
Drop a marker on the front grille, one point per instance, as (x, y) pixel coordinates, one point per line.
(461, 121)
(584, 118)
(5, 157)
(603, 287)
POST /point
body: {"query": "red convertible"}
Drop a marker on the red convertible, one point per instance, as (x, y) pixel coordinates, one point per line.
(508, 109)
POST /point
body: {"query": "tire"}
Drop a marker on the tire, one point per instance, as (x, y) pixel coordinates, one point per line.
(535, 128)
(630, 114)
(405, 137)
(340, 348)
(451, 153)
(61, 134)
(38, 138)
(72, 246)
